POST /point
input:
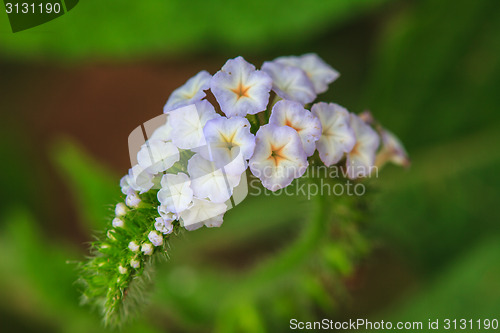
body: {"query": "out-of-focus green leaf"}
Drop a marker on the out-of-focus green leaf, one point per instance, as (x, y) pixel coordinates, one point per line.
(435, 82)
(137, 28)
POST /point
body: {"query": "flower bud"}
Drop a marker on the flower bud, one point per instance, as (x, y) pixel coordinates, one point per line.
(120, 209)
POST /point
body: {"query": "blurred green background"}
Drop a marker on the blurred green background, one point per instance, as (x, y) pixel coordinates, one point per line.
(72, 90)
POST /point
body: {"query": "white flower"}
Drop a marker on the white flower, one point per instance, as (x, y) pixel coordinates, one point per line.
(279, 156)
(228, 139)
(133, 246)
(121, 209)
(392, 150)
(162, 133)
(203, 212)
(132, 200)
(209, 181)
(135, 263)
(117, 222)
(187, 124)
(166, 214)
(155, 238)
(240, 89)
(164, 226)
(361, 159)
(122, 270)
(320, 73)
(157, 156)
(337, 136)
(367, 117)
(290, 82)
(192, 91)
(147, 249)
(176, 193)
(292, 114)
(139, 180)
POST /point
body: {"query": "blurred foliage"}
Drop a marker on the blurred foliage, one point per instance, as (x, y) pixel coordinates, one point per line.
(194, 289)
(137, 28)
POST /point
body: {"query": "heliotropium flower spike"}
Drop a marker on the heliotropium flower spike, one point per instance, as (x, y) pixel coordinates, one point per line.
(192, 91)
(293, 114)
(319, 72)
(337, 137)
(212, 182)
(240, 89)
(227, 139)
(290, 82)
(187, 124)
(175, 193)
(278, 157)
(157, 156)
(360, 160)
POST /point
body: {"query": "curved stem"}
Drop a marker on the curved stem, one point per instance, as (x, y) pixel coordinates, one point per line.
(290, 258)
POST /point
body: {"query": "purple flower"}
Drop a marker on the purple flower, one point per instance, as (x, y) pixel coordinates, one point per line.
(279, 156)
(293, 114)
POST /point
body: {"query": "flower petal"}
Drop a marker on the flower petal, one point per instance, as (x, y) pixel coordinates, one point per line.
(209, 181)
(176, 193)
(392, 150)
(203, 212)
(157, 156)
(139, 179)
(227, 138)
(187, 124)
(240, 89)
(192, 91)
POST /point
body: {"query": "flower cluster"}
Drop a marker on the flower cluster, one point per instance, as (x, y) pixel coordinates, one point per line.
(217, 127)
(199, 155)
